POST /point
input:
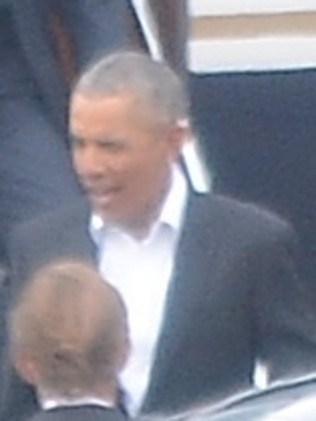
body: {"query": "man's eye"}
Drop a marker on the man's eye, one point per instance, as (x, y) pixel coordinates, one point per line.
(77, 143)
(110, 145)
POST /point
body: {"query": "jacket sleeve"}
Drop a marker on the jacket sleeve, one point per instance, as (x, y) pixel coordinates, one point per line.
(283, 308)
(97, 26)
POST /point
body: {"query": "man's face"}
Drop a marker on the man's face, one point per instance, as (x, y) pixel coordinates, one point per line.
(123, 160)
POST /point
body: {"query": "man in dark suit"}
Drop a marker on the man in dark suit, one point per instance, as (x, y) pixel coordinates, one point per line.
(210, 284)
(43, 44)
(72, 357)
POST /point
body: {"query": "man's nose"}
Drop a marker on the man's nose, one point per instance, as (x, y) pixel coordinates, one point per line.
(90, 162)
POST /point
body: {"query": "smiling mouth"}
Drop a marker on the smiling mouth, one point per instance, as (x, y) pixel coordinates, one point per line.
(102, 198)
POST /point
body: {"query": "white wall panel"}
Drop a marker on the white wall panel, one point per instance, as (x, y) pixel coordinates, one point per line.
(231, 7)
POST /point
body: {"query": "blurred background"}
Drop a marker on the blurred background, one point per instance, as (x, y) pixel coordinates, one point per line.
(253, 86)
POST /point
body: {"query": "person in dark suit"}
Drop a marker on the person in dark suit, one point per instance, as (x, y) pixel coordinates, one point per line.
(43, 44)
(172, 27)
(81, 413)
(210, 283)
(71, 356)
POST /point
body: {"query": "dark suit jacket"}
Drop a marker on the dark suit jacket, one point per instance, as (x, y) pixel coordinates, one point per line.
(35, 169)
(80, 413)
(234, 296)
(94, 26)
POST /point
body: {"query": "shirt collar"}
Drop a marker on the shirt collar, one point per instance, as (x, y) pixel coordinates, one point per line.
(174, 204)
(56, 402)
(171, 213)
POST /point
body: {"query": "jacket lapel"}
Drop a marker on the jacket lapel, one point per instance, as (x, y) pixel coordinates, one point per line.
(196, 254)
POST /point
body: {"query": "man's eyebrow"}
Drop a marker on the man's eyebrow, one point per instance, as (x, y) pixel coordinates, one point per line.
(102, 140)
(75, 139)
(111, 140)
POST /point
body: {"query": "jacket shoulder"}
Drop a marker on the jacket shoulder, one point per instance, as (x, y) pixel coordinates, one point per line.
(49, 222)
(235, 216)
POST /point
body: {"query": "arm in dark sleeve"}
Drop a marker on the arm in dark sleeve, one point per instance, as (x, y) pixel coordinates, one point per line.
(96, 26)
(284, 307)
(17, 399)
(172, 23)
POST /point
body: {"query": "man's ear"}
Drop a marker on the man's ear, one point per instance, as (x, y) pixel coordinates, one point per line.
(123, 353)
(27, 368)
(179, 134)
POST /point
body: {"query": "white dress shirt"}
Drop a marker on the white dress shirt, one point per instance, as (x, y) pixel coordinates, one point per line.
(48, 403)
(141, 271)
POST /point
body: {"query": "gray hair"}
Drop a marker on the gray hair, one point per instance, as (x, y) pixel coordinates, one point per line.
(158, 88)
